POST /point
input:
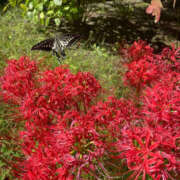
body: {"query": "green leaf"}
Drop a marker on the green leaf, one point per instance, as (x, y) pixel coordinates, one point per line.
(27, 2)
(59, 13)
(42, 21)
(30, 5)
(42, 15)
(12, 3)
(35, 18)
(29, 14)
(47, 21)
(74, 10)
(57, 21)
(58, 2)
(23, 7)
(5, 8)
(34, 12)
(50, 12)
(66, 8)
(40, 6)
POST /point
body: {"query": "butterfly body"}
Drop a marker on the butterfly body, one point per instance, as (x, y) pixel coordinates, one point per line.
(57, 45)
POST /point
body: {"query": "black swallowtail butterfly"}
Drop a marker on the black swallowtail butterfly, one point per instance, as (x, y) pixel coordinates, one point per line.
(57, 45)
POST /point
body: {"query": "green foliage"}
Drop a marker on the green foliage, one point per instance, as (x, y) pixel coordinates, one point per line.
(17, 36)
(9, 149)
(45, 11)
(12, 3)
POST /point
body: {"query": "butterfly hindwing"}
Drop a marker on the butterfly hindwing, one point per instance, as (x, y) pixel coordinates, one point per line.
(61, 43)
(45, 45)
(69, 39)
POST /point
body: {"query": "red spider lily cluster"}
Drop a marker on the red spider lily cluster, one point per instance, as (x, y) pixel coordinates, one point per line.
(145, 67)
(69, 135)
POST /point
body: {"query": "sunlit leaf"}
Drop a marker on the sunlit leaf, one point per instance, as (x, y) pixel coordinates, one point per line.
(42, 15)
(40, 6)
(66, 8)
(58, 2)
(57, 21)
(23, 7)
(47, 21)
(74, 10)
(50, 12)
(30, 5)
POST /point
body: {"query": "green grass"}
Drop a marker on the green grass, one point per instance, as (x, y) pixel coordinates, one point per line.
(9, 149)
(16, 39)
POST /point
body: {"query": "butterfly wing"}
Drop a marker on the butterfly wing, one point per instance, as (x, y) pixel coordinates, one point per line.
(69, 39)
(45, 45)
(61, 43)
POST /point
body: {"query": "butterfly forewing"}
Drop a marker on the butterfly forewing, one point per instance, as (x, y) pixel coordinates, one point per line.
(45, 45)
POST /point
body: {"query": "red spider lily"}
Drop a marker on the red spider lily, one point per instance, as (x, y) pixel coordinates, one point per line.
(146, 68)
(145, 153)
(162, 101)
(50, 106)
(172, 56)
(141, 69)
(18, 79)
(139, 50)
(67, 136)
(148, 150)
(141, 73)
(71, 144)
